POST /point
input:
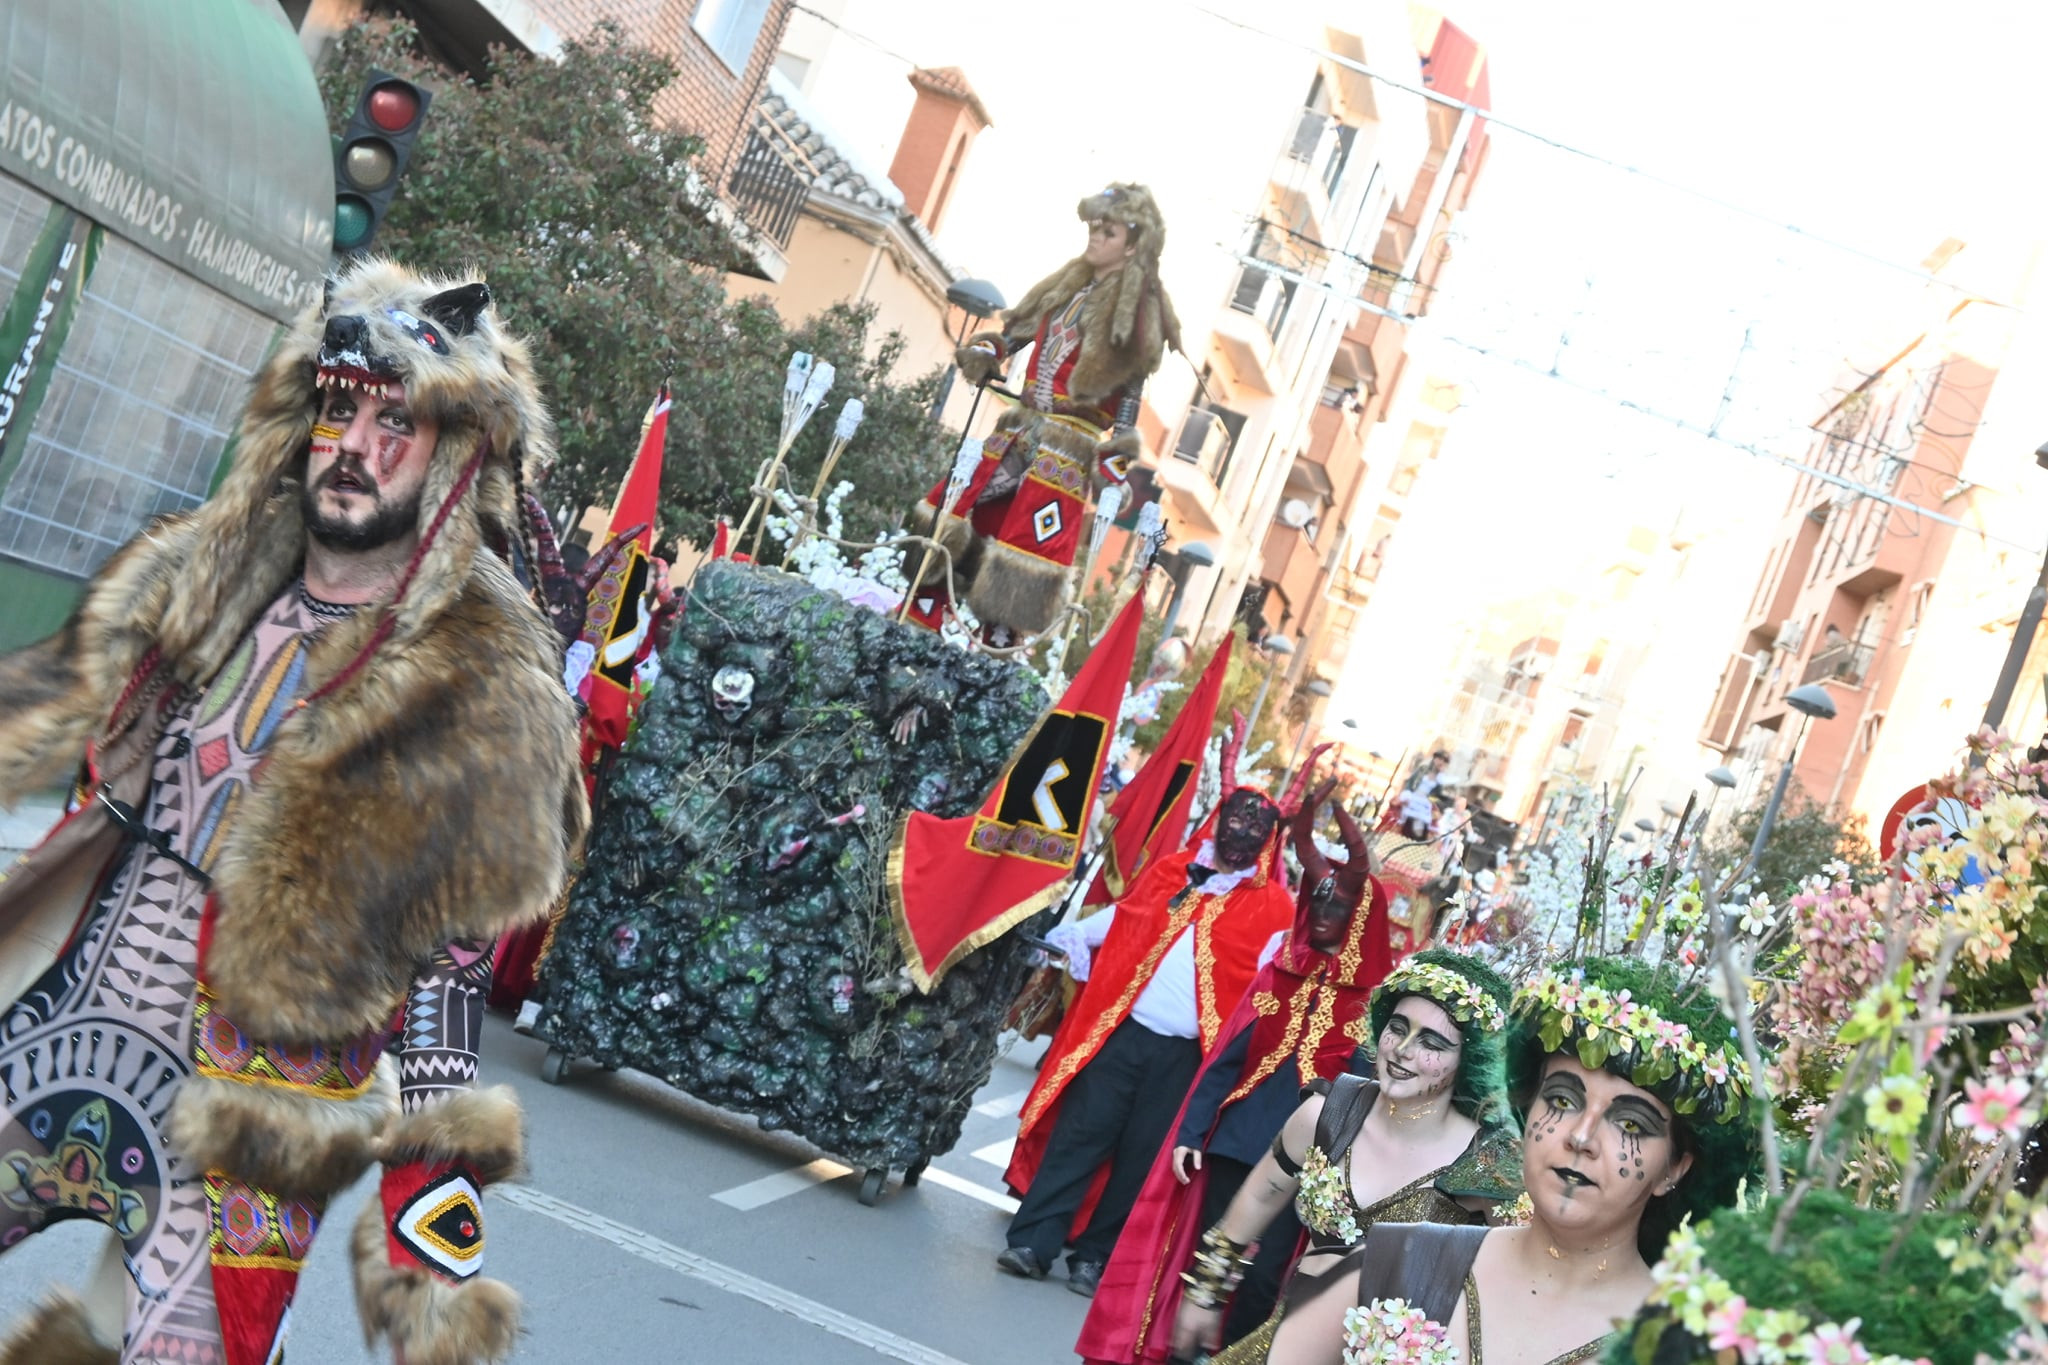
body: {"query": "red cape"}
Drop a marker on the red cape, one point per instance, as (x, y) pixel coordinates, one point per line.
(1296, 1006)
(1230, 932)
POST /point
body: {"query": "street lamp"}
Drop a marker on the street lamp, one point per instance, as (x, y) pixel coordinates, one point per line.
(1812, 702)
(2022, 638)
(975, 299)
(1196, 554)
(1272, 644)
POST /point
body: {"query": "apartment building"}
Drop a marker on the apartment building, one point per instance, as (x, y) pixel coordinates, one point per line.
(1296, 461)
(1904, 620)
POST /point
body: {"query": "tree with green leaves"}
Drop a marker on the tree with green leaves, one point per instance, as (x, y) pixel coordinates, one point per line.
(591, 221)
(1805, 838)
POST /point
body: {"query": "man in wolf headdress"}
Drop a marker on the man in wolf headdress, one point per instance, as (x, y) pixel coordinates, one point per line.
(327, 758)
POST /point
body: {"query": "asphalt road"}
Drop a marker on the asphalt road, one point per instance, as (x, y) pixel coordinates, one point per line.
(656, 1229)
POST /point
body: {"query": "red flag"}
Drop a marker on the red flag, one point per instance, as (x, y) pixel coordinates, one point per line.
(956, 885)
(617, 628)
(1152, 813)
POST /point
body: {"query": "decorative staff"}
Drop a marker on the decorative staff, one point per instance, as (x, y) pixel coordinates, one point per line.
(803, 390)
(965, 462)
(842, 431)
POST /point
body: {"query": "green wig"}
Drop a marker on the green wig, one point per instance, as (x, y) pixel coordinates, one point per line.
(1640, 1023)
(1478, 1001)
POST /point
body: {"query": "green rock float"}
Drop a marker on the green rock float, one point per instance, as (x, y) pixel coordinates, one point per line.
(731, 931)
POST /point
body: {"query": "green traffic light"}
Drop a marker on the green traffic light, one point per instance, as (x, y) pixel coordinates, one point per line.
(352, 223)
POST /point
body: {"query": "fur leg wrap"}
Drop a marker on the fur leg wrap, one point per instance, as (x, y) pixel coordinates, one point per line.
(418, 1250)
(302, 1145)
(57, 1333)
(1018, 590)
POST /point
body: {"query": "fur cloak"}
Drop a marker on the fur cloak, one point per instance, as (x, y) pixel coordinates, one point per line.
(426, 790)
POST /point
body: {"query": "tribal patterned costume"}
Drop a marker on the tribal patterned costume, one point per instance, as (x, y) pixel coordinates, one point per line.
(250, 961)
(1014, 532)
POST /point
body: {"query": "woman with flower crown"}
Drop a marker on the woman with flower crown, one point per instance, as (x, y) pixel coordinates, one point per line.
(1427, 1138)
(1637, 1113)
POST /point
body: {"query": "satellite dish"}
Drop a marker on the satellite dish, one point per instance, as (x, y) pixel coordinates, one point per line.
(1294, 512)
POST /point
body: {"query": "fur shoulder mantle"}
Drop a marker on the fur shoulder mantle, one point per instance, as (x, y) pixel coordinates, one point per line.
(435, 794)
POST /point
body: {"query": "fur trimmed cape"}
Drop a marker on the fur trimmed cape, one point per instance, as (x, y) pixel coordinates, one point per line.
(434, 792)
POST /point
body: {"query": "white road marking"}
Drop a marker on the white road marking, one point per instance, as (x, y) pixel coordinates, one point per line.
(997, 1153)
(781, 1185)
(946, 1180)
(1002, 1106)
(669, 1256)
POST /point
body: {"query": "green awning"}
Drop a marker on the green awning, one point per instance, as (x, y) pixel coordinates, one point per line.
(192, 128)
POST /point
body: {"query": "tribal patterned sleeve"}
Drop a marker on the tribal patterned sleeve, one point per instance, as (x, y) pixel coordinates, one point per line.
(419, 1249)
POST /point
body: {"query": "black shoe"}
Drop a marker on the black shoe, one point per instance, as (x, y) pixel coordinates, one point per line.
(1083, 1277)
(1021, 1261)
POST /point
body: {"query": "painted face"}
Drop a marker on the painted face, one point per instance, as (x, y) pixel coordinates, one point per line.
(1109, 244)
(1329, 915)
(1419, 1051)
(365, 467)
(1242, 828)
(1596, 1149)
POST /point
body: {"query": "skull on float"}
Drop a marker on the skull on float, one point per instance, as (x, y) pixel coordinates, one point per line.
(732, 692)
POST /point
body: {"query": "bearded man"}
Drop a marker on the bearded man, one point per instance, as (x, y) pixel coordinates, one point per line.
(1162, 970)
(327, 758)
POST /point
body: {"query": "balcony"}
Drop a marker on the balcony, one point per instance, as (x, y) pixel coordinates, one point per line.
(768, 192)
(1844, 661)
(1305, 177)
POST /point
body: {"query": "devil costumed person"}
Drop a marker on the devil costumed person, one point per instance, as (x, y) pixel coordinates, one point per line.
(1162, 970)
(1300, 1024)
(251, 959)
(1097, 326)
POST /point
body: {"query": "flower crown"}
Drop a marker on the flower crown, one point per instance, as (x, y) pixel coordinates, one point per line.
(1467, 1002)
(1606, 1024)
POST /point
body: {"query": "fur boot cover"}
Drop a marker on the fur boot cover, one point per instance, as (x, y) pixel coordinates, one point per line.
(293, 1142)
(429, 1319)
(57, 1333)
(1017, 589)
(429, 787)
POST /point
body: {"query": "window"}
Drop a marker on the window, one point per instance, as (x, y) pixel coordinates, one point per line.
(730, 28)
(136, 417)
(1871, 726)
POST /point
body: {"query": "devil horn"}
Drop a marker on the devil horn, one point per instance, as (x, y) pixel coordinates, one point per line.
(1291, 801)
(602, 560)
(1233, 748)
(1314, 866)
(1357, 852)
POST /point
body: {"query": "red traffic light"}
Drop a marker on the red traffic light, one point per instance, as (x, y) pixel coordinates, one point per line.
(393, 106)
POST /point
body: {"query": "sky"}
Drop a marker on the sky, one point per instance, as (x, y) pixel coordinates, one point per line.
(1875, 130)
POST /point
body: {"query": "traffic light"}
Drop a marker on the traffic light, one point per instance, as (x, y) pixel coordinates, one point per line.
(372, 154)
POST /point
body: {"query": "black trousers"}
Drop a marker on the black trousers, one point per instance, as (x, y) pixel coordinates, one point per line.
(1260, 1290)
(1118, 1109)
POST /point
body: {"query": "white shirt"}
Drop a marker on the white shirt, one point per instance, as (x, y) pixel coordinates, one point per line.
(1167, 1005)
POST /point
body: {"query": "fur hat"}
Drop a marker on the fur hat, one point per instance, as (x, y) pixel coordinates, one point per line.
(1134, 207)
(377, 324)
(1141, 322)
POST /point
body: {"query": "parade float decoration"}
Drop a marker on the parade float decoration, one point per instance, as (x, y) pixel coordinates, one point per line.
(1897, 1216)
(818, 857)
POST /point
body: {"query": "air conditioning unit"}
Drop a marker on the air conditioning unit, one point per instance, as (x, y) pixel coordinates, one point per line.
(1202, 437)
(1791, 634)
